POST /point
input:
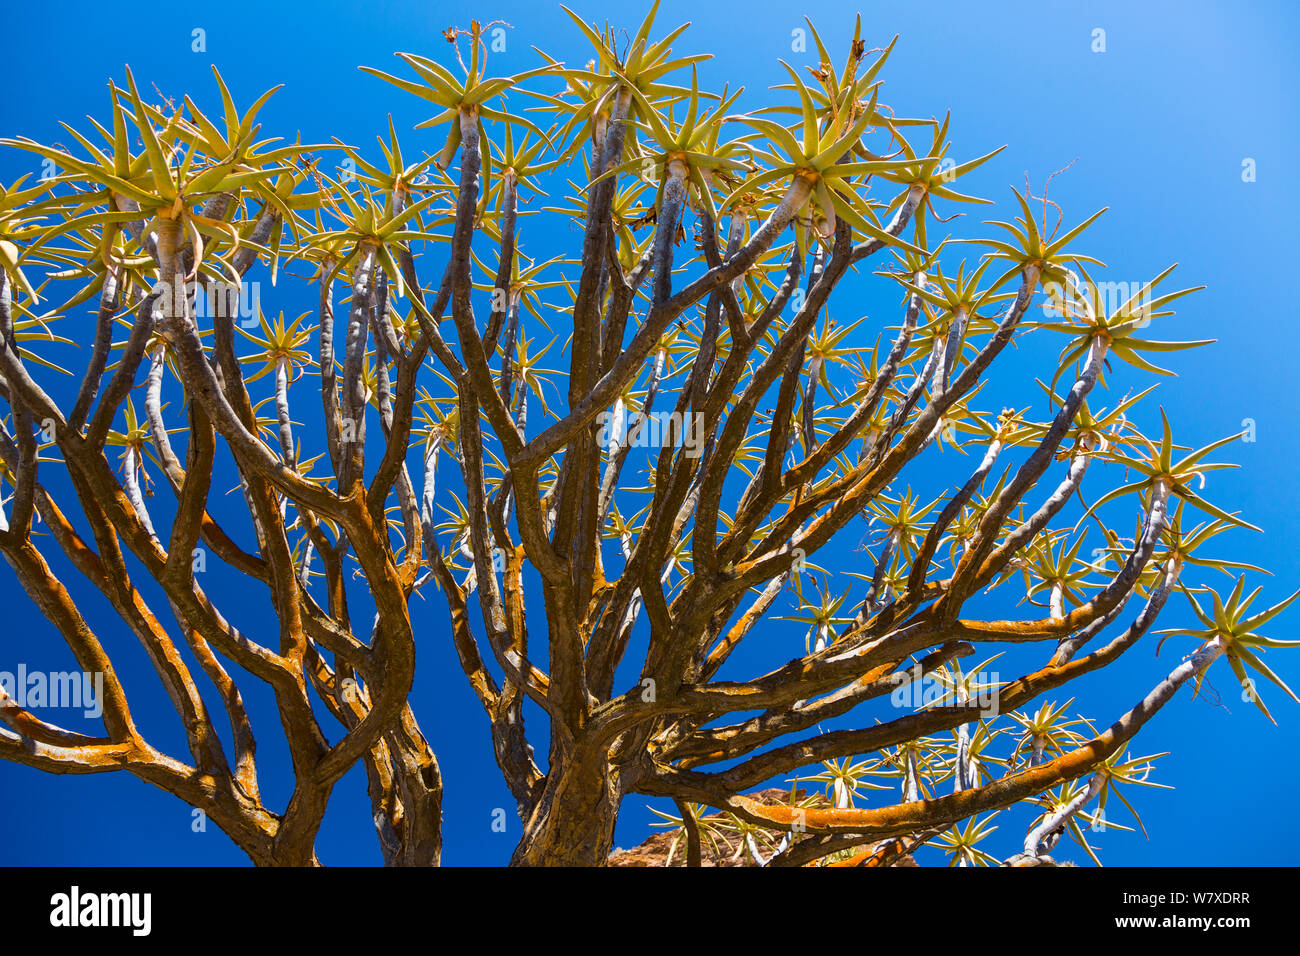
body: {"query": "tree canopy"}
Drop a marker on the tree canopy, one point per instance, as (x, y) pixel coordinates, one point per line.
(701, 428)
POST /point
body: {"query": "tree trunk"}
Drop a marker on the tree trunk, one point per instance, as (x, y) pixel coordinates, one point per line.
(573, 822)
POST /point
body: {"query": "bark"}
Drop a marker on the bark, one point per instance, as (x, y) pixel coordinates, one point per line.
(573, 821)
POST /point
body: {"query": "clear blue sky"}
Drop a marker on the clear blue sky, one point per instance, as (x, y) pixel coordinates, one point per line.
(1158, 126)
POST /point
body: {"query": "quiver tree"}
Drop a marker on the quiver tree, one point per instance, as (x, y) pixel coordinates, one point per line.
(649, 505)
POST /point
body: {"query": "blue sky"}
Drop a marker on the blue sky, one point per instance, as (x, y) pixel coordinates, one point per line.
(1157, 126)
